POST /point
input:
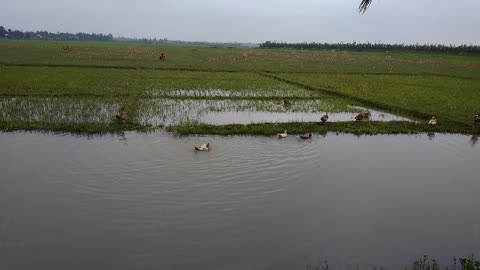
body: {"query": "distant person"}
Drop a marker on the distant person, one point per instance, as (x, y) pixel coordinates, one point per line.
(162, 56)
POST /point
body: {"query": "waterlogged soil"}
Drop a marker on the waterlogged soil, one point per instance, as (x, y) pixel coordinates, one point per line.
(149, 201)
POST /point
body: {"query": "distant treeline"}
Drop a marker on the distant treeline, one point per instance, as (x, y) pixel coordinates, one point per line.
(165, 41)
(45, 35)
(16, 34)
(373, 47)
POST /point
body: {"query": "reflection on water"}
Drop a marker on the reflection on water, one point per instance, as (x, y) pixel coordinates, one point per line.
(70, 202)
(474, 139)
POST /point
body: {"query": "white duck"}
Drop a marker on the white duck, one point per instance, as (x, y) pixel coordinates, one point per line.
(203, 147)
(282, 135)
(433, 121)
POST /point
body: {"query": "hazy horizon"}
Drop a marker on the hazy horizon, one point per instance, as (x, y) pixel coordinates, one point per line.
(408, 21)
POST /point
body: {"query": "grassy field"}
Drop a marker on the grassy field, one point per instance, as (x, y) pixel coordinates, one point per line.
(450, 99)
(45, 86)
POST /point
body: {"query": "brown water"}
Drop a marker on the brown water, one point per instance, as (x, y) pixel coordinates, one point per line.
(148, 201)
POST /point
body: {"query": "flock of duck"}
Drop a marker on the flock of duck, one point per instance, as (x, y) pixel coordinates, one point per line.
(121, 115)
(361, 116)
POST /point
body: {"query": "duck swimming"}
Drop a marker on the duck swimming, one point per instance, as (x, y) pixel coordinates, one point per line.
(361, 116)
(203, 147)
(433, 121)
(282, 135)
(306, 136)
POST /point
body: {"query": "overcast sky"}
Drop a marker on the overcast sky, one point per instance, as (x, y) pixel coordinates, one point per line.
(400, 21)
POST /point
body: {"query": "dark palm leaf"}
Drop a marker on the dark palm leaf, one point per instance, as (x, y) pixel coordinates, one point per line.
(364, 6)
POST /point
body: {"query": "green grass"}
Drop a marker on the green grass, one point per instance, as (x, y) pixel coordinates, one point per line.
(104, 82)
(61, 81)
(368, 128)
(452, 100)
(84, 127)
(54, 88)
(127, 55)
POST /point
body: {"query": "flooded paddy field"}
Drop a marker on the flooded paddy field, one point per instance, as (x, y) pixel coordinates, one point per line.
(156, 112)
(251, 202)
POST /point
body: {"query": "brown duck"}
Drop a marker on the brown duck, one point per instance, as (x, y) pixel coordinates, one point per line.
(361, 116)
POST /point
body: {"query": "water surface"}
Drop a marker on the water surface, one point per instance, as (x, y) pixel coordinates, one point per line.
(148, 201)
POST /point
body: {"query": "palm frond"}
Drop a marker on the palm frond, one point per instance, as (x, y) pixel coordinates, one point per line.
(364, 6)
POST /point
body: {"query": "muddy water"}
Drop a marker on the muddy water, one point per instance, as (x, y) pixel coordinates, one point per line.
(148, 201)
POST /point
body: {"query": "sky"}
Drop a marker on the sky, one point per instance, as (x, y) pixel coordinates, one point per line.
(387, 21)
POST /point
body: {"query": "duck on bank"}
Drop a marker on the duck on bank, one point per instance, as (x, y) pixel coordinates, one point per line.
(433, 122)
(122, 114)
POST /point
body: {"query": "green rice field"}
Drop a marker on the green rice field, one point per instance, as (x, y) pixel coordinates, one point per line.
(252, 91)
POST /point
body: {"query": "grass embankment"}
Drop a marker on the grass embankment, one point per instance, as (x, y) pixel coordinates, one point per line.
(367, 128)
(73, 127)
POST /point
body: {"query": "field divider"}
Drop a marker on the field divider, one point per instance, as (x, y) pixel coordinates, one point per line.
(351, 127)
(6, 64)
(116, 67)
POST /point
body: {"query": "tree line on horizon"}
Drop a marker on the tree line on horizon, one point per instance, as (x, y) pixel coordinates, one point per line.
(354, 46)
(45, 35)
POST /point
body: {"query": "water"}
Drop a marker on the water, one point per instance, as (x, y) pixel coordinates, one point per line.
(222, 112)
(148, 201)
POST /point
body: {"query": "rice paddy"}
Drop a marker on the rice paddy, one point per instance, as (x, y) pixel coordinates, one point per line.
(45, 87)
